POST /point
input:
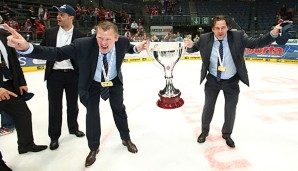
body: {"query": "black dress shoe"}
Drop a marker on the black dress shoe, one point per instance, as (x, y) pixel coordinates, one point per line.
(32, 148)
(229, 142)
(202, 137)
(3, 166)
(131, 147)
(91, 158)
(54, 145)
(78, 133)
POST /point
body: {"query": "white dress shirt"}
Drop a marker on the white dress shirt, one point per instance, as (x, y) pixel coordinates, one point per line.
(5, 56)
(227, 62)
(63, 38)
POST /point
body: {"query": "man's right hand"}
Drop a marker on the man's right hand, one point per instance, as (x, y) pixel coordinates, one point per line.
(188, 43)
(5, 94)
(15, 40)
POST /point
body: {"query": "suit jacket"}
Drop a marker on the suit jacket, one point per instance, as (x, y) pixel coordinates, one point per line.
(85, 51)
(14, 64)
(237, 41)
(50, 39)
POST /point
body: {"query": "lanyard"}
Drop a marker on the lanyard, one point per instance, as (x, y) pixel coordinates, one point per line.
(107, 75)
(221, 62)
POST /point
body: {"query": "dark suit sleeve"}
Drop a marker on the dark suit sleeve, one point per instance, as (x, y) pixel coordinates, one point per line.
(260, 42)
(53, 53)
(197, 45)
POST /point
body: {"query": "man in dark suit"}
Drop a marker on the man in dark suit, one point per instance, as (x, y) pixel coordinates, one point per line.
(62, 76)
(12, 88)
(222, 53)
(99, 58)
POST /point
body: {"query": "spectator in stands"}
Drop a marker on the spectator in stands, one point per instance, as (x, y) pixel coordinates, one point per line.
(62, 77)
(166, 38)
(101, 14)
(113, 17)
(46, 18)
(4, 12)
(127, 20)
(108, 15)
(40, 14)
(162, 2)
(84, 15)
(127, 27)
(179, 11)
(290, 14)
(145, 36)
(154, 38)
(229, 45)
(141, 20)
(89, 15)
(78, 14)
(28, 26)
(140, 28)
(179, 38)
(196, 38)
(95, 16)
(31, 15)
(134, 27)
(283, 11)
(147, 9)
(39, 29)
(12, 23)
(127, 34)
(93, 31)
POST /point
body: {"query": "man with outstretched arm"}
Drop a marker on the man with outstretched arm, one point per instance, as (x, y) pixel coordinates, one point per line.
(99, 58)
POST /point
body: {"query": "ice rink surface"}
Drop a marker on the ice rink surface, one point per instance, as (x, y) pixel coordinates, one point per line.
(265, 130)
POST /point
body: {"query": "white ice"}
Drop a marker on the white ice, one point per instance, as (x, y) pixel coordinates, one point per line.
(265, 131)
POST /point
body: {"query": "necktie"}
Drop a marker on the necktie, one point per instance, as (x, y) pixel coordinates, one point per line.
(105, 94)
(221, 58)
(4, 69)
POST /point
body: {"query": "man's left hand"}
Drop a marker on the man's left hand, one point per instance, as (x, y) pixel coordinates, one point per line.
(143, 46)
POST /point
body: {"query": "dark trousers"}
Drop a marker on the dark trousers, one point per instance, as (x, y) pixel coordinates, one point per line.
(20, 113)
(231, 92)
(93, 127)
(57, 82)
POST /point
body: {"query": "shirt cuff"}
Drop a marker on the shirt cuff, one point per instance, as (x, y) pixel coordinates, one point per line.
(30, 49)
(273, 35)
(135, 49)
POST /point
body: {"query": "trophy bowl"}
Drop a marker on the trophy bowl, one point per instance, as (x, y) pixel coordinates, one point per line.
(167, 56)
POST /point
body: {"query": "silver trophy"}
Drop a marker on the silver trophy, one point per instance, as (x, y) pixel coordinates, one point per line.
(167, 56)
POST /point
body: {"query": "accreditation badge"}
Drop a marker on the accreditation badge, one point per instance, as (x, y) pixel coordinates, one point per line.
(221, 68)
(106, 84)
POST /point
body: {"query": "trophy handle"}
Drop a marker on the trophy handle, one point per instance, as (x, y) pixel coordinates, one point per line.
(155, 56)
(180, 54)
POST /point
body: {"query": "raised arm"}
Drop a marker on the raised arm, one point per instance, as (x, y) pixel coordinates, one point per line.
(16, 40)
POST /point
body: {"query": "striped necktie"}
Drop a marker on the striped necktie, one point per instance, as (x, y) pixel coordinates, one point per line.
(4, 69)
(105, 94)
(221, 58)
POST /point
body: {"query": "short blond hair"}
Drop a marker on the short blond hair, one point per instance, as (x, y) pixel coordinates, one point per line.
(107, 25)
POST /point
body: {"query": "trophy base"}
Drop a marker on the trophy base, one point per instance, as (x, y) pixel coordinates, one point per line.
(170, 102)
